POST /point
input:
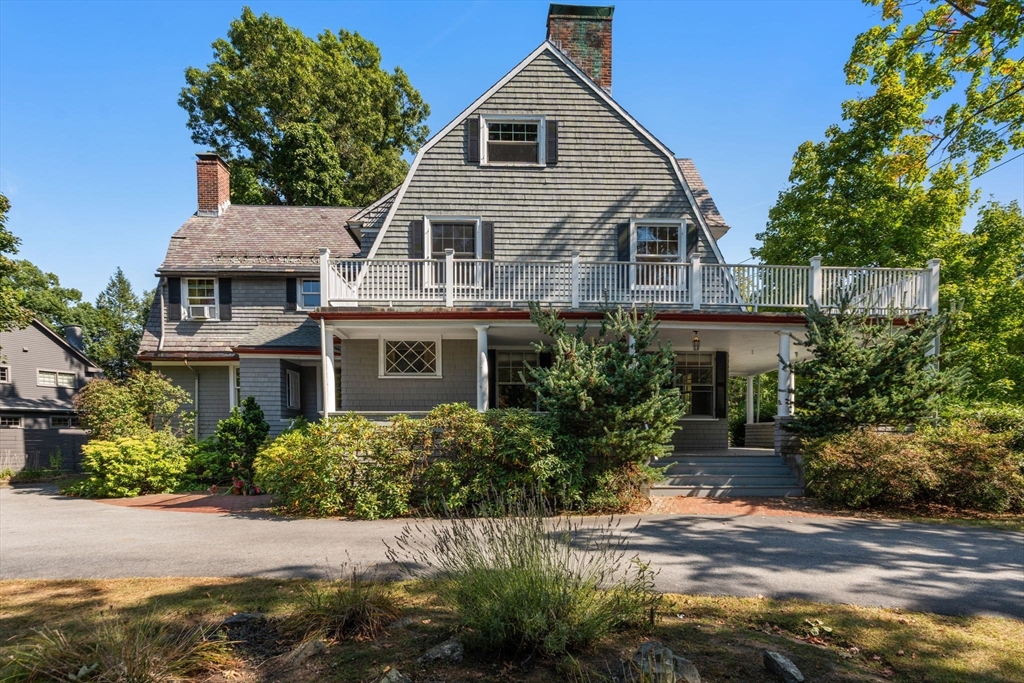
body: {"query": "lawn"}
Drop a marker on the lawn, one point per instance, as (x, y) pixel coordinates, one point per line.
(724, 637)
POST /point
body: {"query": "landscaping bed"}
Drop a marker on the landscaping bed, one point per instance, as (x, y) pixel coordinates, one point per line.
(723, 637)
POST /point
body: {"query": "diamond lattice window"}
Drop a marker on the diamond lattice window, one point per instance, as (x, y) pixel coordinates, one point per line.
(410, 358)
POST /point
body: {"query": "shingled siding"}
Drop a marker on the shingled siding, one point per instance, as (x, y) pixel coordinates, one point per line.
(214, 401)
(606, 174)
(255, 301)
(701, 435)
(363, 389)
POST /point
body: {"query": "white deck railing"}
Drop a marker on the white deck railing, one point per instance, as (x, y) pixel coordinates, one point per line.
(574, 283)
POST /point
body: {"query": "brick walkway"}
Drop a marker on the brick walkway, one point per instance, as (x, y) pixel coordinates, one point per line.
(216, 503)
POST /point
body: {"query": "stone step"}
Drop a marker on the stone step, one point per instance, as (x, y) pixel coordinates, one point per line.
(722, 461)
(729, 480)
(676, 469)
(729, 491)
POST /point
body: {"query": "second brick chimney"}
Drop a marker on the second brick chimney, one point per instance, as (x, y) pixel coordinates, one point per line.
(584, 34)
(214, 180)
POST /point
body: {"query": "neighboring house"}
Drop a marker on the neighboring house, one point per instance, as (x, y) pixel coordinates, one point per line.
(40, 373)
(543, 189)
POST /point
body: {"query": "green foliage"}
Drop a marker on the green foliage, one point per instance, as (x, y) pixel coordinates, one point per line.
(354, 607)
(118, 650)
(618, 406)
(113, 330)
(145, 401)
(966, 463)
(461, 443)
(866, 371)
(12, 315)
(132, 466)
(303, 120)
(42, 294)
(208, 465)
(765, 396)
(239, 437)
(521, 583)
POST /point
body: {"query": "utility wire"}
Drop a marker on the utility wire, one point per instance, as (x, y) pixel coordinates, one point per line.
(1002, 164)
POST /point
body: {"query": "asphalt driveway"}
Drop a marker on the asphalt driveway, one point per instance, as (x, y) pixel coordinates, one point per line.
(944, 569)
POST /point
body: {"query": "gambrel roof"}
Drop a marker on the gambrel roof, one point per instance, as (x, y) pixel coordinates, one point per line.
(705, 204)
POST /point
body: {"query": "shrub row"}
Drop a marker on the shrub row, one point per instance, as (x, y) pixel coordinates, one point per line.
(974, 462)
(452, 459)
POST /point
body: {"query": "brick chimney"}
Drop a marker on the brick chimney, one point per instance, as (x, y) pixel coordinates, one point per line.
(584, 34)
(214, 180)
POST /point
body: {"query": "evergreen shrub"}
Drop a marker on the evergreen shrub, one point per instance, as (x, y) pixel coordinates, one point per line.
(133, 466)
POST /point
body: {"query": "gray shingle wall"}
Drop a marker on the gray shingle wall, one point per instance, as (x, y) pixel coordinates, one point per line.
(363, 389)
(255, 301)
(606, 174)
(214, 400)
(263, 379)
(309, 392)
(701, 434)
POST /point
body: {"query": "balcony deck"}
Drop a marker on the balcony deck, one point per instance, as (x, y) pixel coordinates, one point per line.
(573, 283)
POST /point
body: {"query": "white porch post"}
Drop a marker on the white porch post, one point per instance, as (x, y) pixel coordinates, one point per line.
(696, 282)
(575, 279)
(327, 366)
(750, 399)
(816, 279)
(483, 398)
(449, 277)
(325, 279)
(785, 397)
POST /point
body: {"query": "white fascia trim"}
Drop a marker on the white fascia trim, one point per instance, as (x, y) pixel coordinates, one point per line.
(545, 46)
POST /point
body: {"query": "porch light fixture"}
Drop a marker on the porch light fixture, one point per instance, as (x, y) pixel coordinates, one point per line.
(696, 341)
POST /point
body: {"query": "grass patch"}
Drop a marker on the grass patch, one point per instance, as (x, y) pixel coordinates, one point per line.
(355, 607)
(722, 636)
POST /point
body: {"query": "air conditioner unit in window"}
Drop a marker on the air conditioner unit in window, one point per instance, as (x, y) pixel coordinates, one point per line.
(201, 312)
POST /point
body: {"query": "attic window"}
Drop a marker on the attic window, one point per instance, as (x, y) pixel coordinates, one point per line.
(514, 140)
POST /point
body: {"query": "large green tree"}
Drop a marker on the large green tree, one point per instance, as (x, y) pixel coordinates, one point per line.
(115, 328)
(12, 315)
(303, 121)
(42, 294)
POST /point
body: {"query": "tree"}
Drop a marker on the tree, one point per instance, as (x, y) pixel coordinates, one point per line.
(303, 121)
(239, 437)
(115, 329)
(42, 294)
(12, 315)
(142, 403)
(867, 371)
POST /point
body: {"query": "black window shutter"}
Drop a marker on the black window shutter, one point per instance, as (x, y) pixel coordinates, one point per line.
(487, 240)
(691, 238)
(721, 385)
(492, 378)
(416, 239)
(551, 143)
(473, 140)
(174, 298)
(623, 241)
(289, 294)
(224, 285)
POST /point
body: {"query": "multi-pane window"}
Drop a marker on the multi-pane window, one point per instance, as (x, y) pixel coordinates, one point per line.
(10, 422)
(310, 293)
(410, 358)
(201, 298)
(5, 374)
(293, 389)
(52, 378)
(513, 142)
(459, 237)
(513, 379)
(64, 422)
(695, 377)
(657, 242)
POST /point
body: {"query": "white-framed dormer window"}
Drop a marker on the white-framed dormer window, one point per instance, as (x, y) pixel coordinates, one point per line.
(512, 140)
(55, 378)
(5, 374)
(653, 242)
(420, 357)
(10, 421)
(293, 388)
(309, 294)
(199, 295)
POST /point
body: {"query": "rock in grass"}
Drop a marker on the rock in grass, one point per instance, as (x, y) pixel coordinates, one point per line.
(782, 668)
(306, 650)
(657, 664)
(243, 618)
(450, 651)
(394, 676)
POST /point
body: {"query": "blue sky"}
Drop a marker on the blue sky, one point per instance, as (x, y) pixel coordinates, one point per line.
(99, 167)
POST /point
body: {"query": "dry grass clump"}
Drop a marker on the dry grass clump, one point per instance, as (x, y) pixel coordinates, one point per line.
(117, 650)
(355, 607)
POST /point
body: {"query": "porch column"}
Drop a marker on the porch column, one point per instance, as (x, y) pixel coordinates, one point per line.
(750, 399)
(327, 367)
(483, 399)
(785, 396)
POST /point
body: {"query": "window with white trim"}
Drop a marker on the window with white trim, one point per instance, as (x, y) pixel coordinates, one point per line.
(200, 297)
(64, 422)
(53, 378)
(513, 379)
(655, 242)
(5, 374)
(293, 389)
(10, 421)
(309, 294)
(410, 358)
(695, 377)
(517, 140)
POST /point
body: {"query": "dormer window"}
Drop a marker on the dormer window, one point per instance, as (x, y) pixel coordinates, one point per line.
(514, 140)
(201, 298)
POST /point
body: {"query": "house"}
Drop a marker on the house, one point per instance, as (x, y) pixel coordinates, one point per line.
(543, 189)
(40, 373)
